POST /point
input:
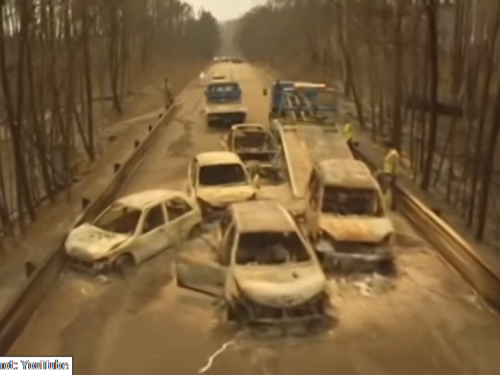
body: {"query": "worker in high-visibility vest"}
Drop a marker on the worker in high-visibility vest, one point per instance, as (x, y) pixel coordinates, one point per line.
(390, 171)
(347, 133)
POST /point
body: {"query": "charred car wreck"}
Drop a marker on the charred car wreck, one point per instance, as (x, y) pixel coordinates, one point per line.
(134, 229)
(257, 148)
(217, 179)
(346, 216)
(262, 267)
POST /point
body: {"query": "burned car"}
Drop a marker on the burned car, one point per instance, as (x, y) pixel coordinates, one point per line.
(217, 179)
(133, 229)
(257, 148)
(262, 266)
(346, 216)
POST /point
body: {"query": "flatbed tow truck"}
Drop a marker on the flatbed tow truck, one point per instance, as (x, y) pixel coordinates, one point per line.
(224, 103)
(307, 130)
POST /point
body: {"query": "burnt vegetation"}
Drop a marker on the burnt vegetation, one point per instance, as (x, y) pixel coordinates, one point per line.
(58, 60)
(423, 74)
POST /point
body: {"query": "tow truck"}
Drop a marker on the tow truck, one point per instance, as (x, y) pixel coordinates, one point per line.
(344, 214)
(224, 103)
(303, 117)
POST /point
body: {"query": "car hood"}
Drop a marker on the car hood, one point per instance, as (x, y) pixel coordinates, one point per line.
(356, 229)
(280, 286)
(221, 196)
(88, 242)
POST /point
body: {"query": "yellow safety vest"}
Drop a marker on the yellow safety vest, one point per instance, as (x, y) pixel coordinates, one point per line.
(391, 162)
(347, 131)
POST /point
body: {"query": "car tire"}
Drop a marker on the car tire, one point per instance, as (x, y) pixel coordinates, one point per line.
(125, 264)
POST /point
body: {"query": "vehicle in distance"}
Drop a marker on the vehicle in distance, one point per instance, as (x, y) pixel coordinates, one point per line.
(224, 103)
(346, 216)
(133, 229)
(217, 179)
(257, 148)
(262, 266)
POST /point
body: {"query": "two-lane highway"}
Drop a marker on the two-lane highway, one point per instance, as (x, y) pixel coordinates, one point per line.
(426, 321)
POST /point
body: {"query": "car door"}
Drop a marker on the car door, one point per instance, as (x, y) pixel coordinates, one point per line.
(313, 210)
(204, 268)
(154, 236)
(192, 177)
(181, 218)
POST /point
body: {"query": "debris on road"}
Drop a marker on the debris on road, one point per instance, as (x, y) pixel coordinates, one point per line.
(213, 356)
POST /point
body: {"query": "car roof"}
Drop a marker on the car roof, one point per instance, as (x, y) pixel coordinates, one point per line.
(148, 198)
(348, 173)
(217, 157)
(262, 216)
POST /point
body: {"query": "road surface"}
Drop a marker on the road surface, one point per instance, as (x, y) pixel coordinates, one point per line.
(425, 321)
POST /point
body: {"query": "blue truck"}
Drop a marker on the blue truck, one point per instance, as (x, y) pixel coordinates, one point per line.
(223, 102)
(295, 97)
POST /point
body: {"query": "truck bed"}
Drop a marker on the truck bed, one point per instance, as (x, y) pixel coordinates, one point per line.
(305, 144)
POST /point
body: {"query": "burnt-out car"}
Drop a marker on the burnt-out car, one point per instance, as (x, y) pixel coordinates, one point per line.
(257, 148)
(261, 265)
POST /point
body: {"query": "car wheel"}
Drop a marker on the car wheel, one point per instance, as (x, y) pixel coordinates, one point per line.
(125, 264)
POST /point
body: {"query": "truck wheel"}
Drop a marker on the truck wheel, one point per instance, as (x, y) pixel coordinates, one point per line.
(125, 264)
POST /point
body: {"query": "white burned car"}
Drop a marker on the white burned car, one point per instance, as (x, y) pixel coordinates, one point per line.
(346, 215)
(133, 229)
(262, 266)
(219, 178)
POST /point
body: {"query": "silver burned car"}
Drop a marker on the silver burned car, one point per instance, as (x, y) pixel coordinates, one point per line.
(133, 229)
(262, 267)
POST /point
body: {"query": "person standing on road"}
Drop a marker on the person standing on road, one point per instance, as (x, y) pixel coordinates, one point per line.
(347, 133)
(169, 98)
(390, 171)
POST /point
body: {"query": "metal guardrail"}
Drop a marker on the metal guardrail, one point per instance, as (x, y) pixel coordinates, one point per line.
(456, 251)
(19, 311)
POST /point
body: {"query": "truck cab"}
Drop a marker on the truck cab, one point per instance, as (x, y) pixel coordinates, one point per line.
(346, 216)
(223, 90)
(224, 102)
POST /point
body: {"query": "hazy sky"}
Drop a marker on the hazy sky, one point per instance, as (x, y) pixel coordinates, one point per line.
(225, 10)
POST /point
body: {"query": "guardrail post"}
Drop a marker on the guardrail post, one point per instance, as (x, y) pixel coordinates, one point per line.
(85, 202)
(116, 167)
(150, 128)
(29, 268)
(136, 144)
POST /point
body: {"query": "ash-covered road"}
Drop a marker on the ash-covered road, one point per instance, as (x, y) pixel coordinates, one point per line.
(426, 321)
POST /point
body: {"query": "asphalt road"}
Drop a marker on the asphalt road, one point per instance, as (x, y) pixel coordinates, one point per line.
(425, 321)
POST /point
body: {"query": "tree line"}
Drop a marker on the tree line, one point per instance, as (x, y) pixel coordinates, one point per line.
(57, 59)
(421, 73)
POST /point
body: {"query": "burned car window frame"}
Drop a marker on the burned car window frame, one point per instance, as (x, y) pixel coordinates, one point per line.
(132, 211)
(181, 200)
(378, 210)
(246, 181)
(295, 237)
(145, 216)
